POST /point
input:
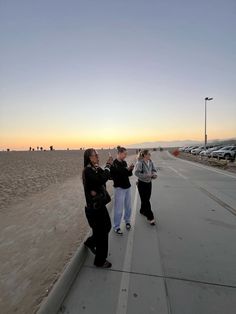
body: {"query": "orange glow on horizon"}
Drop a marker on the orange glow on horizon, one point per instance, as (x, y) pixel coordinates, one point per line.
(64, 142)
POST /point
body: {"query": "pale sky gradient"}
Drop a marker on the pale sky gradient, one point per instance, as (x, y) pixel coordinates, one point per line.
(100, 73)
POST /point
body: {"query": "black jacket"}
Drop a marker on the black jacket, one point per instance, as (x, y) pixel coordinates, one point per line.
(94, 179)
(120, 174)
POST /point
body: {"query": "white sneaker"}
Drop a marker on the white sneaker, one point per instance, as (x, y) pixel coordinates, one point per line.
(118, 231)
(152, 222)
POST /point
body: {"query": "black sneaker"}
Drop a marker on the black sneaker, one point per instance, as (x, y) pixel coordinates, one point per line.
(128, 226)
(118, 231)
(105, 265)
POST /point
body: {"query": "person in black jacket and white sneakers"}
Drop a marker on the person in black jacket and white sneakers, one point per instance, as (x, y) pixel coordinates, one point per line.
(120, 173)
(94, 180)
(146, 172)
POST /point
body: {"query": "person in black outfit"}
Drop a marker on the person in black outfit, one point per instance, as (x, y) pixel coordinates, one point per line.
(94, 180)
(146, 172)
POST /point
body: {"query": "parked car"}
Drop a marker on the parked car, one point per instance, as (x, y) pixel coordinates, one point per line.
(227, 152)
(188, 149)
(185, 149)
(181, 149)
(209, 151)
(197, 150)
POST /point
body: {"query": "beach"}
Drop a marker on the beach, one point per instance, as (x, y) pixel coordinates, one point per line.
(42, 222)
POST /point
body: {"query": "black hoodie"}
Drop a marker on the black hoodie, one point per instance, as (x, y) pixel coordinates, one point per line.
(94, 180)
(120, 174)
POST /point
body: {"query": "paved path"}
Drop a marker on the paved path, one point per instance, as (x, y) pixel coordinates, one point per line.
(184, 265)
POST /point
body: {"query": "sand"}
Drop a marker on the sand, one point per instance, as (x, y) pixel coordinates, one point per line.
(42, 222)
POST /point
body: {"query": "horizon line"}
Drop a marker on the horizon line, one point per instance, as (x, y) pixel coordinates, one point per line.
(153, 144)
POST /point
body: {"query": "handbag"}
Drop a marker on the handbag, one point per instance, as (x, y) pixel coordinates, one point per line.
(101, 199)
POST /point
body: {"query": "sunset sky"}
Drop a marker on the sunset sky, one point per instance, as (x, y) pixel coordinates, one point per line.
(100, 73)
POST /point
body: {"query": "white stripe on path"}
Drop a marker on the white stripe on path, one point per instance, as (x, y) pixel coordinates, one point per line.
(125, 279)
(178, 173)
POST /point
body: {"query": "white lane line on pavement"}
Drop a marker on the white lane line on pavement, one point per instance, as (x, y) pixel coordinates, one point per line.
(125, 279)
(204, 167)
(178, 173)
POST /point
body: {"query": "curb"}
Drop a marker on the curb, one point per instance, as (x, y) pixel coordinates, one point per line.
(61, 288)
(52, 303)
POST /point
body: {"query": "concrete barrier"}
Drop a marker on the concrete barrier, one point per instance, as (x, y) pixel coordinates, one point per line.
(52, 304)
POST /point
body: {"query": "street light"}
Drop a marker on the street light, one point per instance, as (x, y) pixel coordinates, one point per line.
(206, 99)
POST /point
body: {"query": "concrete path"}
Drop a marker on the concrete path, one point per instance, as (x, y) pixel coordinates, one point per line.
(184, 265)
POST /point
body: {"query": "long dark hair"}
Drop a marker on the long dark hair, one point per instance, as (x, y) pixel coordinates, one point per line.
(87, 154)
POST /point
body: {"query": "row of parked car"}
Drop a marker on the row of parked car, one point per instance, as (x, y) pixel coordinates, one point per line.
(219, 151)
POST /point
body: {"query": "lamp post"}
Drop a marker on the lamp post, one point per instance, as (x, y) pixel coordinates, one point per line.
(206, 99)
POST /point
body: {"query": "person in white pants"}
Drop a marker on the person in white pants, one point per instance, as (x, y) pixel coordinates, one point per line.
(120, 173)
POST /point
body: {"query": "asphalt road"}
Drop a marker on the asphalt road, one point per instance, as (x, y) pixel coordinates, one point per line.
(186, 264)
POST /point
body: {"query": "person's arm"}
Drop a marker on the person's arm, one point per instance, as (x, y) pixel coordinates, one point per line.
(130, 172)
(154, 171)
(153, 168)
(121, 170)
(139, 171)
(129, 169)
(97, 178)
(112, 172)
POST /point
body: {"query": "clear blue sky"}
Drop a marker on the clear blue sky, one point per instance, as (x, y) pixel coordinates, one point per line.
(80, 73)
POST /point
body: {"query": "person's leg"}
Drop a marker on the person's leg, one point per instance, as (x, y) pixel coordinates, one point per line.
(101, 235)
(142, 196)
(118, 206)
(127, 204)
(91, 241)
(149, 212)
(107, 220)
(101, 247)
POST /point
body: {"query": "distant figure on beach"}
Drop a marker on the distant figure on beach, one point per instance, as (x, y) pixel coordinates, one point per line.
(97, 197)
(146, 172)
(120, 173)
(51, 147)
